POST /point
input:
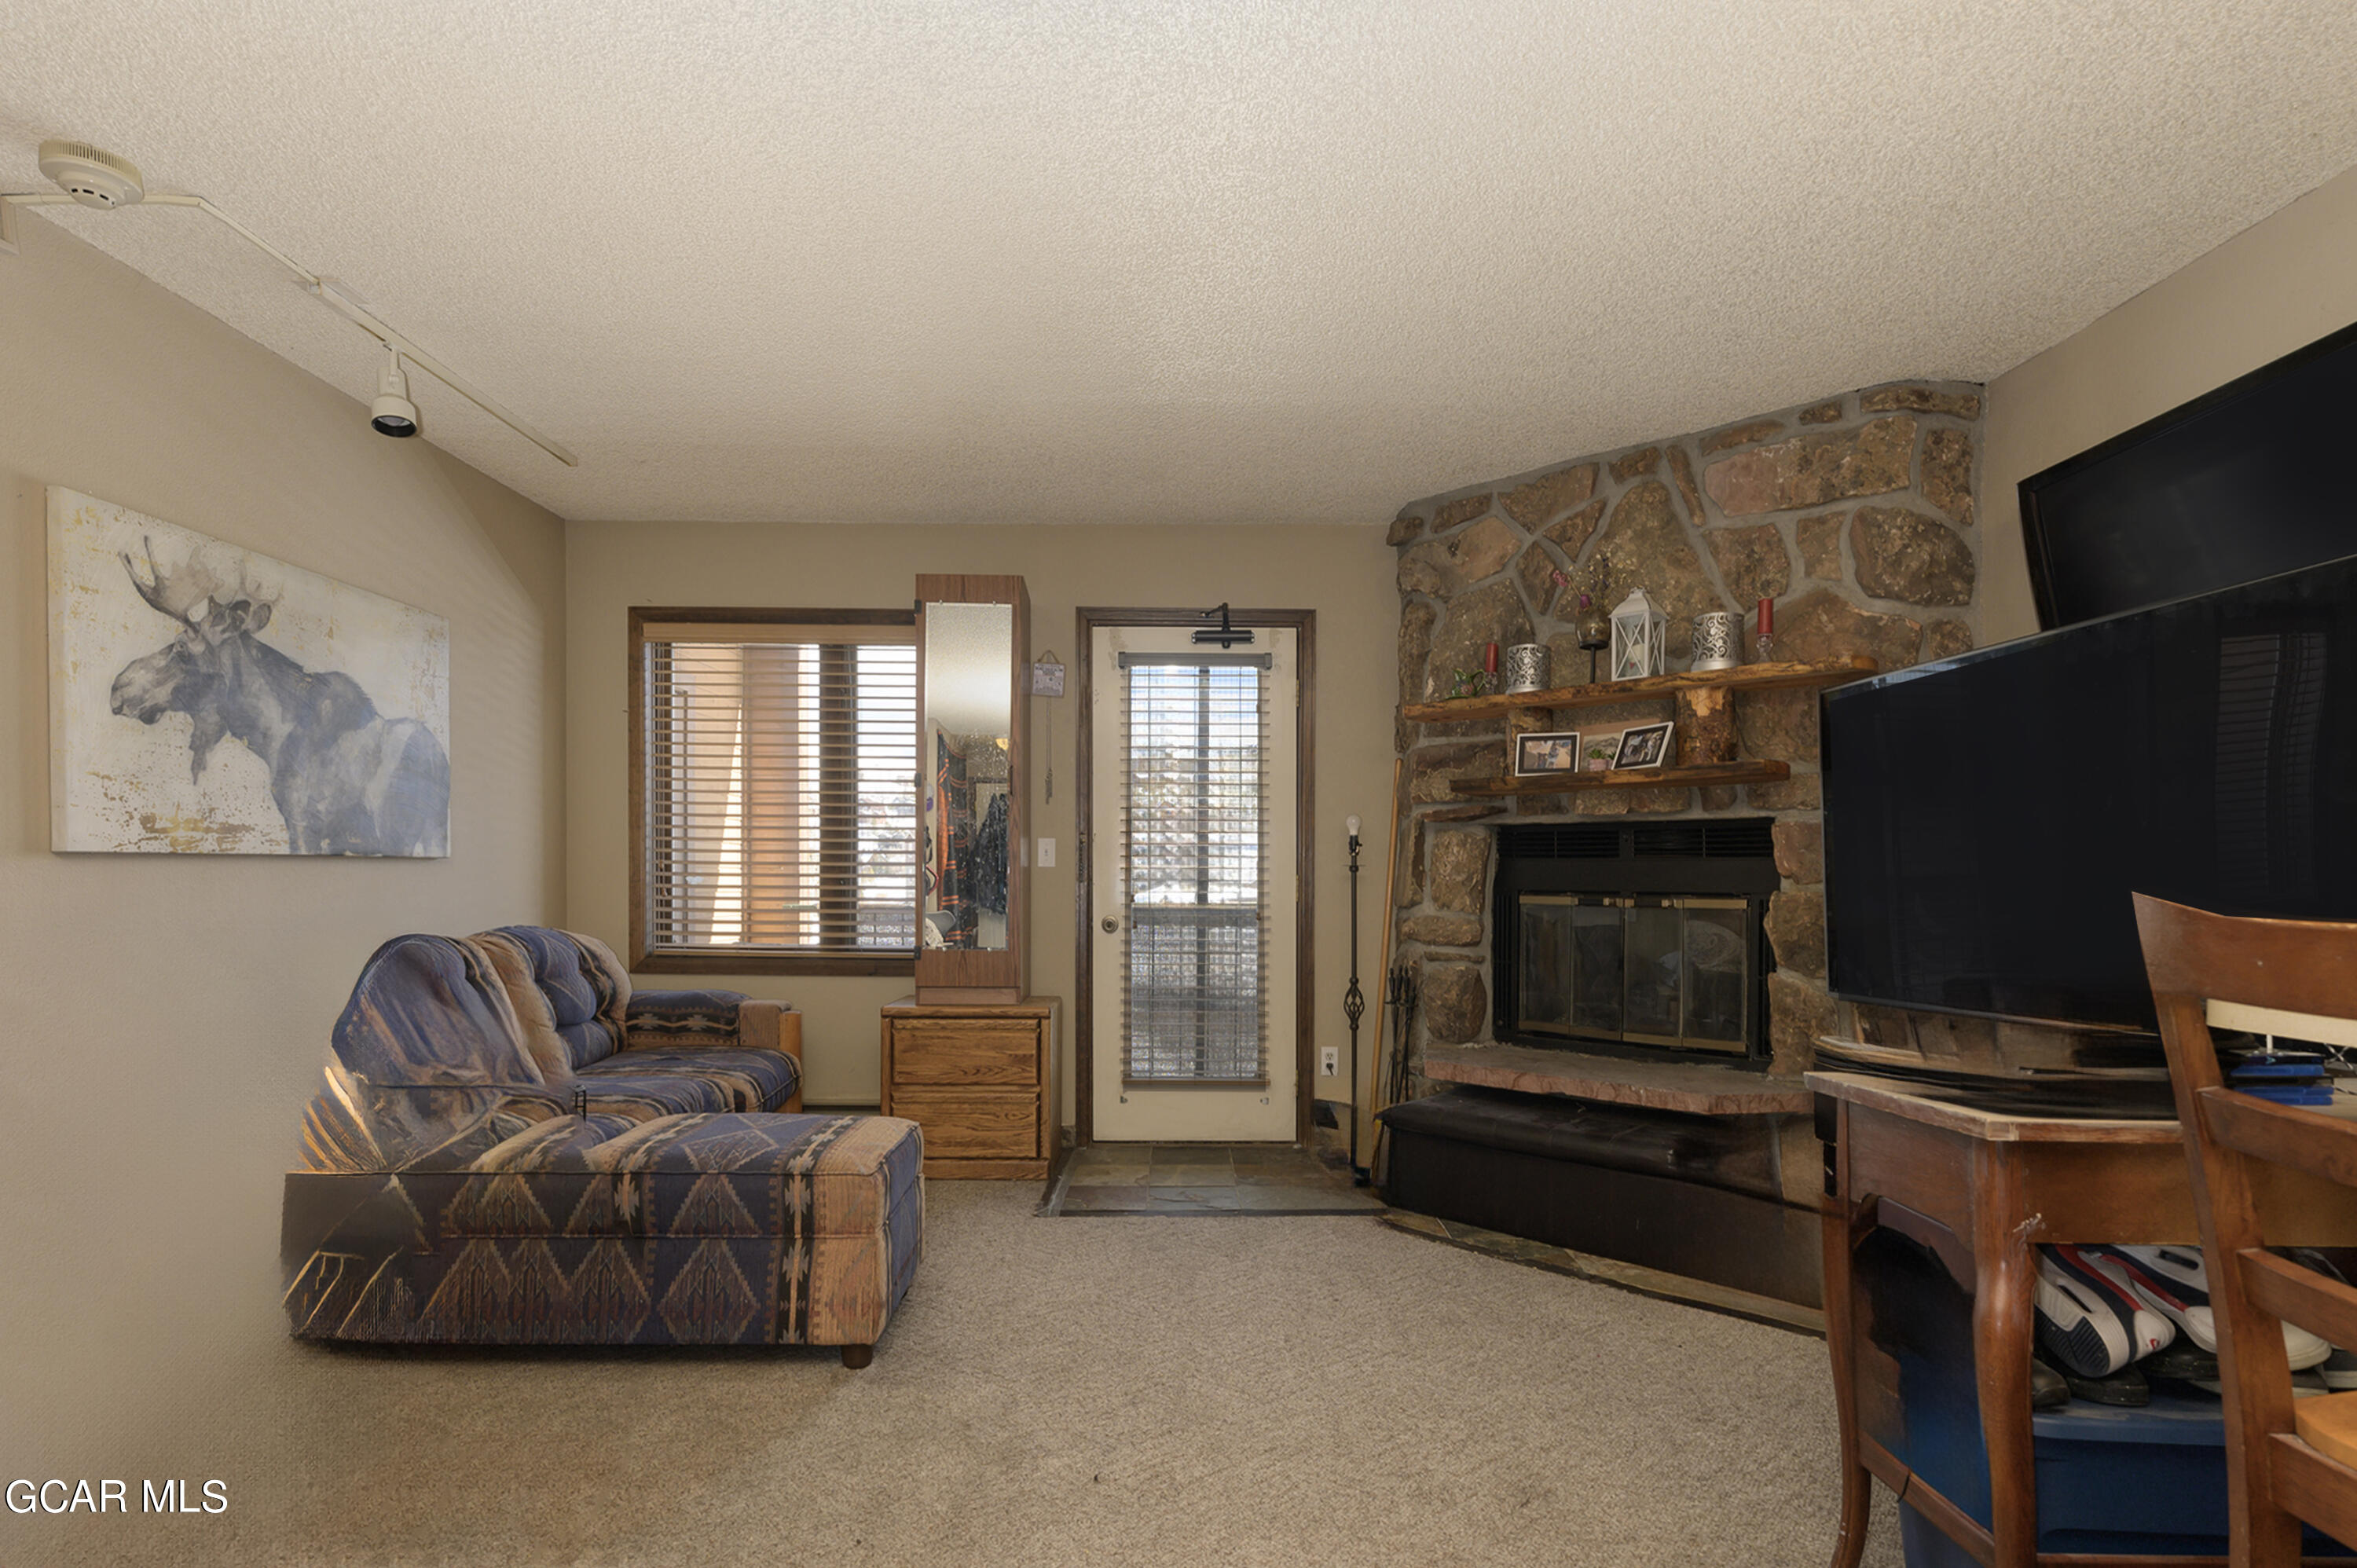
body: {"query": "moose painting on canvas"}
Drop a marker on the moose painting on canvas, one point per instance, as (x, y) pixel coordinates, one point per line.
(207, 699)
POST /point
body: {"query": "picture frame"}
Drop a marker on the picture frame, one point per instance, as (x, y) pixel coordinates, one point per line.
(1644, 745)
(1544, 752)
(1597, 755)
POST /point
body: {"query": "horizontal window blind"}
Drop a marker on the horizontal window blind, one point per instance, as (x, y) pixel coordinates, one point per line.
(1194, 819)
(781, 792)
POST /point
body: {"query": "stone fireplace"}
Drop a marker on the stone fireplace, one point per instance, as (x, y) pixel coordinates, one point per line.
(1853, 514)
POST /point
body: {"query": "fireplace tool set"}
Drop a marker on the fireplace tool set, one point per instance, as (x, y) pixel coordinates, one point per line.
(1388, 1082)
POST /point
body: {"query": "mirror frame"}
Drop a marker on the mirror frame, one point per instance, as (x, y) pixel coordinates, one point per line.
(986, 975)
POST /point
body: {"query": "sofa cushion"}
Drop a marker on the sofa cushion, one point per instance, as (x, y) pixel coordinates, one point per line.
(425, 1055)
(646, 1096)
(745, 1080)
(427, 1010)
(569, 993)
(682, 1018)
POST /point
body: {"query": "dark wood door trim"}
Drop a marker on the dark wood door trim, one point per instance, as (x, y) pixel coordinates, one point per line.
(1087, 619)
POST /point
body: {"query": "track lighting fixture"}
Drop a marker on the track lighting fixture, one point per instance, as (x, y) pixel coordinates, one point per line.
(392, 413)
(97, 179)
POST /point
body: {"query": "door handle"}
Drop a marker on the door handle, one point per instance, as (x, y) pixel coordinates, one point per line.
(1111, 925)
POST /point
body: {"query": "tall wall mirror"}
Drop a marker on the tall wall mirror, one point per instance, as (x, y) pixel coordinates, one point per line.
(969, 734)
(973, 642)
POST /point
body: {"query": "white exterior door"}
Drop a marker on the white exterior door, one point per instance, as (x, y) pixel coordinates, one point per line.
(1192, 869)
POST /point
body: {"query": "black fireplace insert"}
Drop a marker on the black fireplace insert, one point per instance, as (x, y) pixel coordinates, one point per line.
(1644, 937)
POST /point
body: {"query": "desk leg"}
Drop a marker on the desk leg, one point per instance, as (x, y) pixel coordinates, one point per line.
(1857, 1486)
(2005, 1274)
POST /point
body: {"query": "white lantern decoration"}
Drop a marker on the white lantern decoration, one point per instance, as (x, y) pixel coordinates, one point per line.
(1638, 627)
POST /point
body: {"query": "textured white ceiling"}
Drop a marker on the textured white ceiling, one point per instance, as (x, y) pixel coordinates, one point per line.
(1095, 260)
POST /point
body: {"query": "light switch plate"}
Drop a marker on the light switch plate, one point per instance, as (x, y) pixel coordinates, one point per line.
(1047, 852)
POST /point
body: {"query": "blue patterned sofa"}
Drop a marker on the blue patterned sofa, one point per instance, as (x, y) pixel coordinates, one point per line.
(513, 1147)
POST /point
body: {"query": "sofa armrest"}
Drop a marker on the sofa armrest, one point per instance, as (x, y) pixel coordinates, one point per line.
(681, 1020)
(773, 1026)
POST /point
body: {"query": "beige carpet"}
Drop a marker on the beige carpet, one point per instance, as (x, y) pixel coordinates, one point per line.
(1186, 1392)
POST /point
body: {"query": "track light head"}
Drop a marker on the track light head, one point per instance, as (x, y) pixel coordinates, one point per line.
(92, 175)
(392, 413)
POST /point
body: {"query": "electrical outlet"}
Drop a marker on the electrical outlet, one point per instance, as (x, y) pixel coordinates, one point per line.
(1330, 1060)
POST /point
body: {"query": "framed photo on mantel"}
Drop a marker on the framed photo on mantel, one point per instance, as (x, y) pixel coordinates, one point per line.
(1541, 753)
(1644, 745)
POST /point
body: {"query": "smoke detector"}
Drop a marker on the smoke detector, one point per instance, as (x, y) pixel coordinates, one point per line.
(92, 175)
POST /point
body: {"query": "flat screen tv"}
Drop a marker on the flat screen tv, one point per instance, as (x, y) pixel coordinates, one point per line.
(1987, 817)
(2242, 483)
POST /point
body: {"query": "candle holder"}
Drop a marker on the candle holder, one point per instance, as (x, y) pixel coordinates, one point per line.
(1594, 628)
(1526, 666)
(1715, 640)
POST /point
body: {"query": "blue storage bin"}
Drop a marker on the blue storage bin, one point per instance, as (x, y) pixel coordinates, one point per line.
(2109, 1479)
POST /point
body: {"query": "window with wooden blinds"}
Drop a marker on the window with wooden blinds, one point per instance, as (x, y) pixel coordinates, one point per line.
(779, 790)
(1194, 821)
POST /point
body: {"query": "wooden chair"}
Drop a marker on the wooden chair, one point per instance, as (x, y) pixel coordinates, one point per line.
(2287, 1460)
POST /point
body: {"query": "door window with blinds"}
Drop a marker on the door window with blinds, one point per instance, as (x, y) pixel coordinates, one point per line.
(1194, 824)
(776, 799)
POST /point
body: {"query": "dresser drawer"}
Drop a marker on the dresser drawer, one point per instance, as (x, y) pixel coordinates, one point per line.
(965, 1051)
(972, 1124)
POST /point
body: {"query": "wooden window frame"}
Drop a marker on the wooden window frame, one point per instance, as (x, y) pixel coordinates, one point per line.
(647, 960)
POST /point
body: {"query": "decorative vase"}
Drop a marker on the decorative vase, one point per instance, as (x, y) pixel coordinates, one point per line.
(1526, 666)
(1714, 640)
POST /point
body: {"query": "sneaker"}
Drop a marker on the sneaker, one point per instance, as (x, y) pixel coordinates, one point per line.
(2081, 1320)
(2148, 1330)
(2172, 1281)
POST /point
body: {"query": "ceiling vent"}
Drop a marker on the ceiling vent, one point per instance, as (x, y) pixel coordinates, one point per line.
(92, 175)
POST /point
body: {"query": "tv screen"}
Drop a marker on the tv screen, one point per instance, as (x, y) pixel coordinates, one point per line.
(1987, 817)
(2247, 481)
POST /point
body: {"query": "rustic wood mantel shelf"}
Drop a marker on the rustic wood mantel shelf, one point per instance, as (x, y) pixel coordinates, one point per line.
(1742, 678)
(1697, 1088)
(1632, 778)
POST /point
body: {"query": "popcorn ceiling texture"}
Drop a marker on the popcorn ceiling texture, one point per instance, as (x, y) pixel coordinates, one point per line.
(1857, 515)
(1136, 261)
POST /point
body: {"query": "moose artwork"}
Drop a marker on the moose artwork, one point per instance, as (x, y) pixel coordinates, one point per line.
(204, 699)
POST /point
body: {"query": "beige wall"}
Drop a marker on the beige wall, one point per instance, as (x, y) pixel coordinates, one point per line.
(2280, 284)
(1343, 574)
(166, 1016)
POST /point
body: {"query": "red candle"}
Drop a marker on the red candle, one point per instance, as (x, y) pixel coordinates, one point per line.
(1767, 617)
(1489, 660)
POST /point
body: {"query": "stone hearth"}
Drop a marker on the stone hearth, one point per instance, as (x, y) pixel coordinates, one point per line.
(1854, 514)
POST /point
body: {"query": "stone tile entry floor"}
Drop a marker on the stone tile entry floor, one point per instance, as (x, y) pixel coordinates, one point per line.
(1205, 1179)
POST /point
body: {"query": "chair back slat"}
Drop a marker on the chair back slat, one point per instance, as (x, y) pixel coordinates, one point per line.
(2315, 1487)
(2281, 1134)
(2291, 966)
(2283, 1288)
(2274, 1480)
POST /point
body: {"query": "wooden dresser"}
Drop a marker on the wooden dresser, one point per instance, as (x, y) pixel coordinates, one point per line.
(980, 1077)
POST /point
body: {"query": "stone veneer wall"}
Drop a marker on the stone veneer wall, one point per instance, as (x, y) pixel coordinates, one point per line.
(1854, 514)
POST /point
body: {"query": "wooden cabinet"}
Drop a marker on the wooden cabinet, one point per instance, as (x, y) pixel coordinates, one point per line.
(980, 1077)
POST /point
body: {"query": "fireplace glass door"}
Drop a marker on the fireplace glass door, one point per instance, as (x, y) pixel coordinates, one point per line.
(1676, 971)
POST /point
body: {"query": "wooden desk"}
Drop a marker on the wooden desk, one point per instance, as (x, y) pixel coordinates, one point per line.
(1980, 1190)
